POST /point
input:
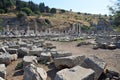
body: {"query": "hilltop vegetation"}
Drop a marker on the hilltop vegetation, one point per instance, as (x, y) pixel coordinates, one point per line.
(30, 8)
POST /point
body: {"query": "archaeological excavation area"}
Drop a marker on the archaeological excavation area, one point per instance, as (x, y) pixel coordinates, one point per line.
(43, 59)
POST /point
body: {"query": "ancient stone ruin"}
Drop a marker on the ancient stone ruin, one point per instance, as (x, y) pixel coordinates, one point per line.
(33, 52)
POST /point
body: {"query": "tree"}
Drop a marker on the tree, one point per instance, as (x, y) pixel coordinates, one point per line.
(42, 7)
(47, 9)
(53, 10)
(116, 13)
(21, 4)
(6, 5)
(117, 18)
(34, 7)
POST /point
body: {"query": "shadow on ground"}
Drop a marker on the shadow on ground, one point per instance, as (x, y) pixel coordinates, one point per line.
(18, 73)
(52, 72)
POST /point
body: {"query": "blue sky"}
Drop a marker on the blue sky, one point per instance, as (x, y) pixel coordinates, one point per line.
(86, 6)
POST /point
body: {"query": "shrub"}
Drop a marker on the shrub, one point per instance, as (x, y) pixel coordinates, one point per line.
(78, 13)
(37, 12)
(2, 11)
(53, 10)
(28, 11)
(62, 11)
(21, 14)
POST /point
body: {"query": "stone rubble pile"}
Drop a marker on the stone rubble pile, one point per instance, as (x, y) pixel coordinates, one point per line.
(33, 51)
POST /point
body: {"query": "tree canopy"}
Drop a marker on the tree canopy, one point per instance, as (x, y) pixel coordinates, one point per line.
(116, 13)
(19, 5)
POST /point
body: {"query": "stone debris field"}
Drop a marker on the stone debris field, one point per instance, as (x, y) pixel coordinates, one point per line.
(39, 59)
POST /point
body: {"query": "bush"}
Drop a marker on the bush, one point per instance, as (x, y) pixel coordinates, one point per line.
(2, 11)
(62, 11)
(37, 12)
(85, 28)
(28, 11)
(78, 13)
(53, 10)
(21, 14)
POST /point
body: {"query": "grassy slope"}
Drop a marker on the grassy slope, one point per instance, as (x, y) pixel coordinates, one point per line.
(61, 20)
(64, 19)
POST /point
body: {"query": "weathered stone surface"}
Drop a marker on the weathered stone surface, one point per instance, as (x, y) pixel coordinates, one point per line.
(1, 78)
(60, 54)
(29, 60)
(2, 71)
(23, 52)
(12, 50)
(14, 57)
(45, 56)
(22, 44)
(70, 61)
(5, 58)
(75, 73)
(53, 50)
(31, 72)
(98, 65)
(2, 49)
(36, 51)
(14, 46)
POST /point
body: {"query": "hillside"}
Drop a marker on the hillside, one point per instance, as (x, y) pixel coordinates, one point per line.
(48, 20)
(31, 14)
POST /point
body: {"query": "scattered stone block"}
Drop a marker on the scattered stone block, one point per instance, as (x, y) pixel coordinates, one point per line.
(35, 51)
(12, 50)
(23, 52)
(5, 58)
(31, 72)
(75, 73)
(2, 71)
(14, 46)
(70, 61)
(60, 54)
(46, 56)
(22, 44)
(29, 60)
(1, 78)
(2, 49)
(98, 65)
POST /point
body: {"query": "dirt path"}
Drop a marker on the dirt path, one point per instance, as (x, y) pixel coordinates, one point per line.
(13, 74)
